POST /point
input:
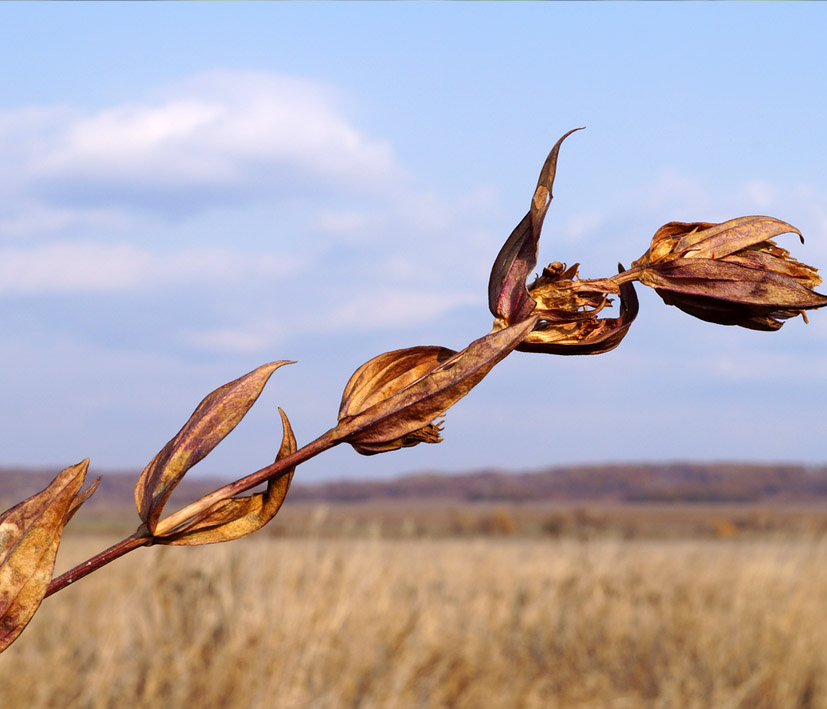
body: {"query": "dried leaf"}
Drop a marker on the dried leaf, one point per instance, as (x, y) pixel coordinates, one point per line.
(214, 418)
(30, 535)
(238, 516)
(384, 425)
(508, 298)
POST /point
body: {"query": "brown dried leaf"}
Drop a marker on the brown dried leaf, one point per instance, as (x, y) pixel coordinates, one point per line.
(30, 535)
(508, 298)
(238, 516)
(214, 418)
(384, 425)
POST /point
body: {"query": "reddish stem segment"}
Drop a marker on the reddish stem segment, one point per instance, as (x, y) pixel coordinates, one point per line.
(97, 561)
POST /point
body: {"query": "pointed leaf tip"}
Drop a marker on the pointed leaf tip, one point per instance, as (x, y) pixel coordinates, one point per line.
(508, 298)
(213, 419)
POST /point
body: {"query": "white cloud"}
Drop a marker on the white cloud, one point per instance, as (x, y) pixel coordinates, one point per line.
(220, 136)
(396, 308)
(384, 309)
(250, 339)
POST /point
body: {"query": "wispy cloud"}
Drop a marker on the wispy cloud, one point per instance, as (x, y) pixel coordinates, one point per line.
(62, 268)
(222, 136)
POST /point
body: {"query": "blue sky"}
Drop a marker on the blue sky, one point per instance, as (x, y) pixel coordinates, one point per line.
(190, 190)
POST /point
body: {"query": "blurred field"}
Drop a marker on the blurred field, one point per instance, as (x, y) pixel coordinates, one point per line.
(419, 519)
(569, 616)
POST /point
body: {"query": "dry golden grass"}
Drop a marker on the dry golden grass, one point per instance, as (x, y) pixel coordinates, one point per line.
(474, 622)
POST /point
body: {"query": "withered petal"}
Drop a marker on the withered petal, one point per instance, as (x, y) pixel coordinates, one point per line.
(594, 336)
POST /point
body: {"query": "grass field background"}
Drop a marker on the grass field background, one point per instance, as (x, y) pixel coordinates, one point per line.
(574, 614)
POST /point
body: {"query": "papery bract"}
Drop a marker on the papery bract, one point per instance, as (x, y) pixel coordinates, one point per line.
(508, 298)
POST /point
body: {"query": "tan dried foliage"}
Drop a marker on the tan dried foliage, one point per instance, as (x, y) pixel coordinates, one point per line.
(30, 534)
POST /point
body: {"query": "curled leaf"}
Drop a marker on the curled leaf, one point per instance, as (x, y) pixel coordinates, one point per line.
(238, 516)
(214, 418)
(386, 404)
(508, 298)
(30, 535)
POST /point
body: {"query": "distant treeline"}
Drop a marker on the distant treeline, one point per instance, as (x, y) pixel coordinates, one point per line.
(627, 482)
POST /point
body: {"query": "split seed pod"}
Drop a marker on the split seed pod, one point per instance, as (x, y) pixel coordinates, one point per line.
(731, 273)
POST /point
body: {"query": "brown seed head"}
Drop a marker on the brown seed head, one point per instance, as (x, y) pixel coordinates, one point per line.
(731, 273)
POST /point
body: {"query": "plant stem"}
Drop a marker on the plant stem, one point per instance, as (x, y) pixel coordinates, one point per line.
(630, 274)
(143, 538)
(87, 567)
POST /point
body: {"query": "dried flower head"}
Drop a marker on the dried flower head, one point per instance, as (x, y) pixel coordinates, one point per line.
(731, 273)
(565, 306)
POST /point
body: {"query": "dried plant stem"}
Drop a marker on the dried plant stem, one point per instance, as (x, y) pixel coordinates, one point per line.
(143, 538)
(93, 564)
(627, 276)
(730, 273)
